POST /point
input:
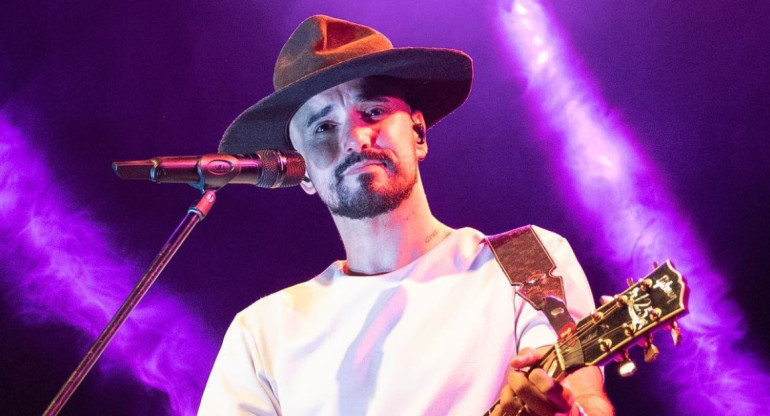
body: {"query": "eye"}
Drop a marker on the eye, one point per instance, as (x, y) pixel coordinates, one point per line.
(324, 127)
(374, 113)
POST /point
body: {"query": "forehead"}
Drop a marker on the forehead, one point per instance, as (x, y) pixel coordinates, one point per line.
(357, 90)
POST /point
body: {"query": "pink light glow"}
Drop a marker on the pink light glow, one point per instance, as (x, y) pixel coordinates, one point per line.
(624, 205)
(65, 271)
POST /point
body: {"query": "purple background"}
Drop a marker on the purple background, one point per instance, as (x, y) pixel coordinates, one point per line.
(84, 83)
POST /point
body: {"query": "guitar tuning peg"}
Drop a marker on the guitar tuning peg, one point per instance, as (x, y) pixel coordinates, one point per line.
(676, 333)
(627, 366)
(651, 352)
(654, 265)
(629, 281)
(654, 314)
(620, 300)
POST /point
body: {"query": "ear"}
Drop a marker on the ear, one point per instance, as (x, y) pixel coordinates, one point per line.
(307, 186)
(421, 149)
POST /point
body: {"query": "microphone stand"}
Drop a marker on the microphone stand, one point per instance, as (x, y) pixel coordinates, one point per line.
(195, 214)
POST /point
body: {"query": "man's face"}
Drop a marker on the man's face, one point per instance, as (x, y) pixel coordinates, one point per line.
(360, 147)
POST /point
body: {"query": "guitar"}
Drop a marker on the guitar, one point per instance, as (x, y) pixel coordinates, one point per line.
(652, 303)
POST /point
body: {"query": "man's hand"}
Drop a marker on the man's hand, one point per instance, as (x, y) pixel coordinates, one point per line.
(536, 393)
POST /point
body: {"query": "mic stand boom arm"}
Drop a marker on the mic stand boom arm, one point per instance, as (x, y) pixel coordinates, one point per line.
(195, 214)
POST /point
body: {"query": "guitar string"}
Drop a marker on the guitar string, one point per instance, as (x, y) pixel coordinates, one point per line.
(579, 331)
(590, 324)
(613, 306)
(567, 350)
(551, 355)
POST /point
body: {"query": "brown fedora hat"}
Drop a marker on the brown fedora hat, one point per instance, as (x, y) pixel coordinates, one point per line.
(324, 52)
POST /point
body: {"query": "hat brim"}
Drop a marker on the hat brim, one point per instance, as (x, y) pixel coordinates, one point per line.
(438, 81)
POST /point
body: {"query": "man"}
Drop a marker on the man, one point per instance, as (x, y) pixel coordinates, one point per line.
(419, 319)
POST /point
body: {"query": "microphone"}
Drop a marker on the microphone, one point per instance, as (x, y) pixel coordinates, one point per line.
(265, 168)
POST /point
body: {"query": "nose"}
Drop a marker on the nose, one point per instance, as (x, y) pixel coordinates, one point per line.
(359, 138)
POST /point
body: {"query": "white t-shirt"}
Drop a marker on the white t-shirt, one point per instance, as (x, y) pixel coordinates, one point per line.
(431, 338)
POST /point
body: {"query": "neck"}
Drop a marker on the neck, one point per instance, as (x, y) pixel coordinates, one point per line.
(391, 240)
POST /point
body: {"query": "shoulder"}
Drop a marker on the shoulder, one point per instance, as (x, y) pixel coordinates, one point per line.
(557, 247)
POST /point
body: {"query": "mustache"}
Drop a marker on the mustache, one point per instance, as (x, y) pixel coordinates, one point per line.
(366, 154)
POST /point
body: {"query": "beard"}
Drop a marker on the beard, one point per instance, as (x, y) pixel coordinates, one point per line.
(367, 201)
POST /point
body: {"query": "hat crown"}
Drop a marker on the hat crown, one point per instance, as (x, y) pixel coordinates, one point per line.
(321, 42)
(324, 52)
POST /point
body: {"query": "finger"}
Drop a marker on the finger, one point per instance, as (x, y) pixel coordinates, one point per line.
(497, 410)
(534, 400)
(508, 404)
(557, 396)
(528, 394)
(506, 396)
(539, 392)
(517, 380)
(605, 299)
(525, 358)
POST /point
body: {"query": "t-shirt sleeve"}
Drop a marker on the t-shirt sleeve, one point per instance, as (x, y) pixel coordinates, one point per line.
(533, 328)
(238, 384)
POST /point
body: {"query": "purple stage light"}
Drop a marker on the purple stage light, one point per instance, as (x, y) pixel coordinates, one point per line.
(623, 203)
(61, 268)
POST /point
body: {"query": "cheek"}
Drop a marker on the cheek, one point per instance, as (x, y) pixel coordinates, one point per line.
(317, 153)
(323, 154)
(399, 130)
(402, 140)
(321, 159)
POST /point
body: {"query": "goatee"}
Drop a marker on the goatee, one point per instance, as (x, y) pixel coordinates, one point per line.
(366, 201)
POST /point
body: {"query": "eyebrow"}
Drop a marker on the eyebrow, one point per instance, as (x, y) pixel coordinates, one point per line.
(364, 97)
(317, 115)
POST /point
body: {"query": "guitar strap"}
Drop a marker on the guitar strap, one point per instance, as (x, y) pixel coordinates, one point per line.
(529, 267)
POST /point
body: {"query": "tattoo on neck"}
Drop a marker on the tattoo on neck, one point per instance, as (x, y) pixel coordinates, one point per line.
(431, 236)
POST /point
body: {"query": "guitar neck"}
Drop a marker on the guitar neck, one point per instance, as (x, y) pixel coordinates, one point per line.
(653, 302)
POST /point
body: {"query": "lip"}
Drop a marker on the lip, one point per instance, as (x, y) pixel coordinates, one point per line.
(363, 166)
